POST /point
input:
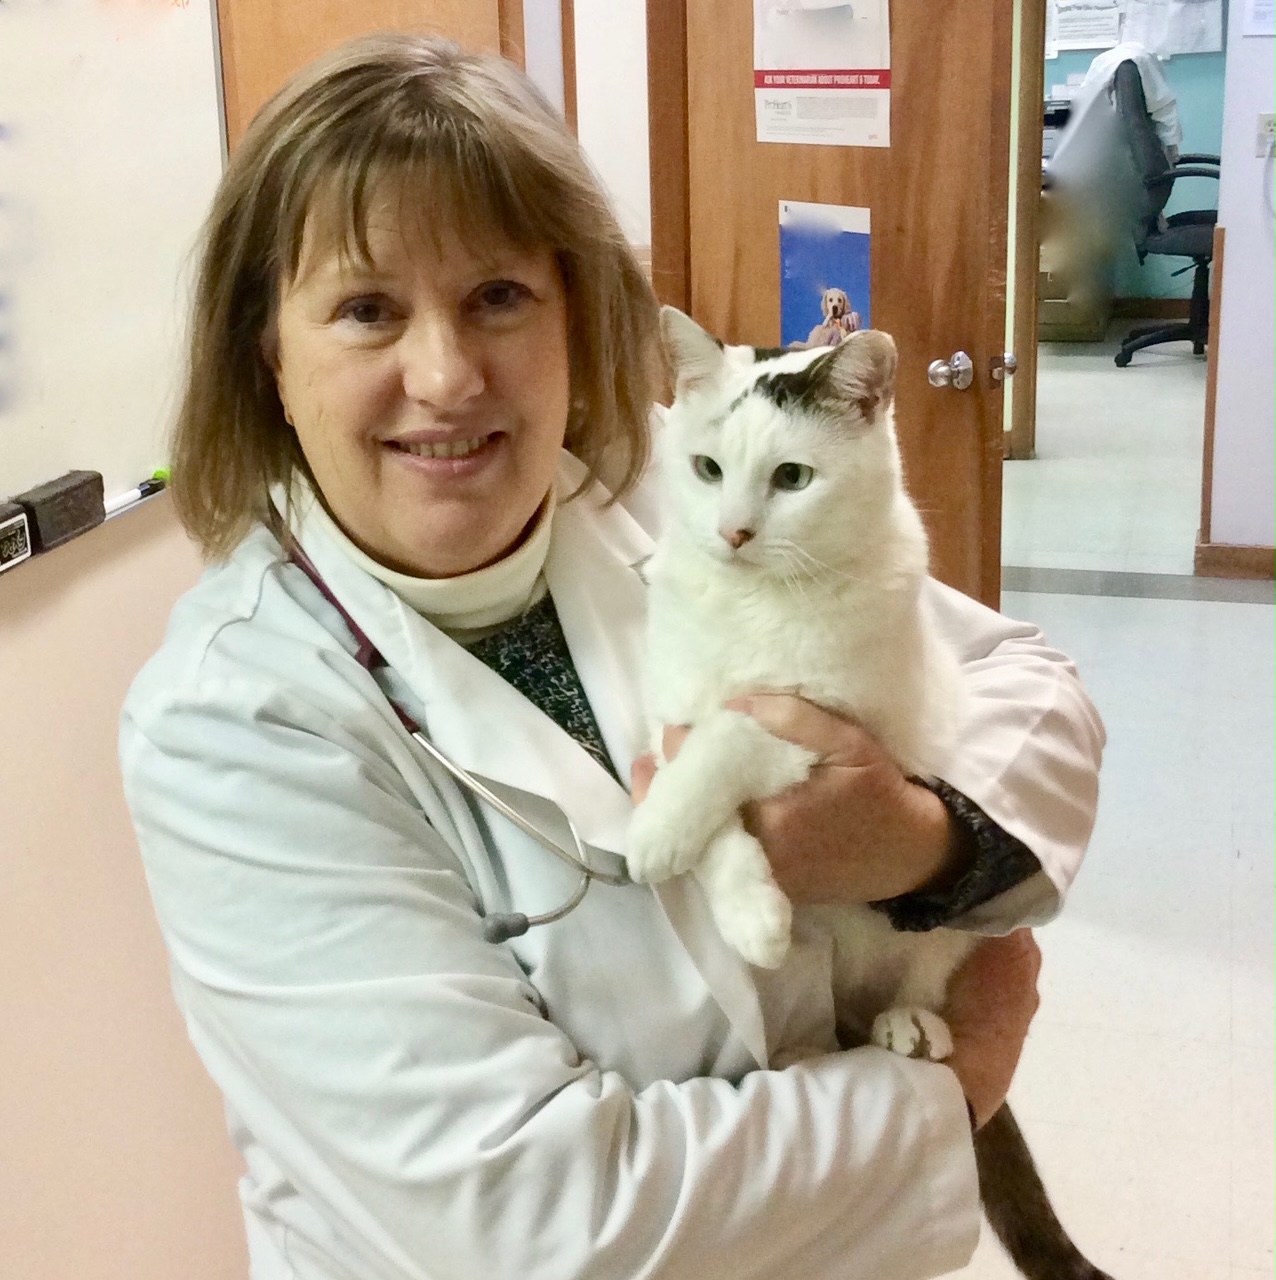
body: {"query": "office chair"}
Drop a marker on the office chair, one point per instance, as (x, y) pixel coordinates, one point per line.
(1189, 234)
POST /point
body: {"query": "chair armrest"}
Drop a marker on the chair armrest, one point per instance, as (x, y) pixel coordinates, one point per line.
(1183, 171)
(1197, 157)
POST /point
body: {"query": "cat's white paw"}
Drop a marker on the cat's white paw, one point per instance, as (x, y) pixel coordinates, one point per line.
(757, 921)
(657, 848)
(915, 1033)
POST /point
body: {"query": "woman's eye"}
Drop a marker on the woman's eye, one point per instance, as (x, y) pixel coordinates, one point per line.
(502, 295)
(365, 311)
(706, 468)
(792, 475)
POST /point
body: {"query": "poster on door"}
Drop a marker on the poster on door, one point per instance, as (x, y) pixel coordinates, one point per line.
(821, 72)
(824, 273)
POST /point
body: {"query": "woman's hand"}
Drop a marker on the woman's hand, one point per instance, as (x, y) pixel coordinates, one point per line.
(991, 1001)
(856, 830)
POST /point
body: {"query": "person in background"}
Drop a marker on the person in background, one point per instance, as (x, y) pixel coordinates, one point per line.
(413, 446)
(1162, 105)
(1092, 193)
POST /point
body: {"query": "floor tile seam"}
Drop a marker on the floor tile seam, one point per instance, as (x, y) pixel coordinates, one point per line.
(1117, 584)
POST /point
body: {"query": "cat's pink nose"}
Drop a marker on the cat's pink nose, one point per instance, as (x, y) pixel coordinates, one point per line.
(735, 538)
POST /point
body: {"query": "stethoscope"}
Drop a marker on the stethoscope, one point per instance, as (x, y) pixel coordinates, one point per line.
(498, 926)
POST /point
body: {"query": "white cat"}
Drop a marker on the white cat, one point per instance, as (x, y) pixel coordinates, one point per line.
(792, 560)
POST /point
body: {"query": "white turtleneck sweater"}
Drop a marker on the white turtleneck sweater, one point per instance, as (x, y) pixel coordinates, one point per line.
(470, 605)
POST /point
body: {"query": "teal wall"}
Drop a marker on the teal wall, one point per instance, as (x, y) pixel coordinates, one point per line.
(1197, 82)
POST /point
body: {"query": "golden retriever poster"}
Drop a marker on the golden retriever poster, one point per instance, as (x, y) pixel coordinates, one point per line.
(824, 273)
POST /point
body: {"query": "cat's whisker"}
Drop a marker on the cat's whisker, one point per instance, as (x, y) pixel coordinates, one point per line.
(796, 586)
(794, 575)
(821, 567)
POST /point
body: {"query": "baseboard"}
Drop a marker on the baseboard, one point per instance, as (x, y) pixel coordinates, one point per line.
(1151, 308)
(1228, 560)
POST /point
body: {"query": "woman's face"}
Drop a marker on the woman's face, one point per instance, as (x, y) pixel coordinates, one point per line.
(428, 389)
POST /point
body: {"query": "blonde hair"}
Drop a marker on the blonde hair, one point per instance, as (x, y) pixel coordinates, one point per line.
(470, 139)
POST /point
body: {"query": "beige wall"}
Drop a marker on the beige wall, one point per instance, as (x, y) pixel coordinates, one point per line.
(114, 1163)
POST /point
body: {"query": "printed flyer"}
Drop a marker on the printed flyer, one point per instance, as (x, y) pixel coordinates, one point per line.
(821, 72)
(824, 273)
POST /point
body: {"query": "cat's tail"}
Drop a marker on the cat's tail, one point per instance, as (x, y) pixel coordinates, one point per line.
(1018, 1208)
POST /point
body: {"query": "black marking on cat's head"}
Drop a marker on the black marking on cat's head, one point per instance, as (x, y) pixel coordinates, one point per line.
(768, 353)
(799, 389)
(859, 373)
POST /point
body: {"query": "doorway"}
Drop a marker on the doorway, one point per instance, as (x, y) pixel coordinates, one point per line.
(1111, 480)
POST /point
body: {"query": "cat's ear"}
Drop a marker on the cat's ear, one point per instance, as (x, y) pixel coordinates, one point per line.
(861, 370)
(696, 357)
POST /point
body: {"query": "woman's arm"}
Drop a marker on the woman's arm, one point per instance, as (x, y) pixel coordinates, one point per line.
(1021, 791)
(1028, 754)
(406, 1078)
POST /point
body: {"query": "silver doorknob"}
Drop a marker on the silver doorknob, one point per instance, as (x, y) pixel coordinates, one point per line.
(1002, 366)
(957, 372)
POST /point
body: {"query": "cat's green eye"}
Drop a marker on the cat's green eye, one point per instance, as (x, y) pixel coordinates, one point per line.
(792, 475)
(706, 468)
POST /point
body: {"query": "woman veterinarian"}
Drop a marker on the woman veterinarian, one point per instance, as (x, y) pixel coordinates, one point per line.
(420, 347)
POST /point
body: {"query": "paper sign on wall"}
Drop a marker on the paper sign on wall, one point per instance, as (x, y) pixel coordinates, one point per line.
(1084, 24)
(1163, 27)
(821, 72)
(1168, 27)
(824, 273)
(1258, 18)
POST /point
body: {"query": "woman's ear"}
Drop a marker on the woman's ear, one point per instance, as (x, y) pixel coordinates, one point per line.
(268, 346)
(695, 356)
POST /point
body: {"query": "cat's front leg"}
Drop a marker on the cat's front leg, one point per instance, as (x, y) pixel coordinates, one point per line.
(911, 1026)
(727, 760)
(751, 911)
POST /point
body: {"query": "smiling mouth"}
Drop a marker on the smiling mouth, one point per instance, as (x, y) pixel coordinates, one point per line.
(442, 448)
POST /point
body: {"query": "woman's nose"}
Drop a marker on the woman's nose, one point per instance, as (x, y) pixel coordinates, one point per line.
(442, 365)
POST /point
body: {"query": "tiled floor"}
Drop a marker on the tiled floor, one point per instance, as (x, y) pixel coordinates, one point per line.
(1116, 483)
(1146, 1085)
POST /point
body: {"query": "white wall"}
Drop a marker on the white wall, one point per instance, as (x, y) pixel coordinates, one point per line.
(543, 47)
(110, 154)
(1242, 496)
(611, 105)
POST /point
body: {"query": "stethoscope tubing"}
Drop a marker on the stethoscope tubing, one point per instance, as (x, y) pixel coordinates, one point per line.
(500, 926)
(497, 926)
(577, 861)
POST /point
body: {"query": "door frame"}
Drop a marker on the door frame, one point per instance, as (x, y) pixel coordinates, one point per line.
(671, 160)
(1021, 438)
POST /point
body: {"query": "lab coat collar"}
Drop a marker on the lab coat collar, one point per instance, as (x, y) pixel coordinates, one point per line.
(478, 721)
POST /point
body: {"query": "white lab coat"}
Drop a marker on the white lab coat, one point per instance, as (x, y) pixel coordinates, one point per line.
(585, 1101)
(1158, 97)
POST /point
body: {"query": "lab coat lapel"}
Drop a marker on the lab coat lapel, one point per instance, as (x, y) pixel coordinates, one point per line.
(472, 715)
(479, 722)
(603, 613)
(593, 574)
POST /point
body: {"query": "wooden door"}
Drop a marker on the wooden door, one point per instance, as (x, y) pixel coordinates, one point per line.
(939, 203)
(264, 41)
